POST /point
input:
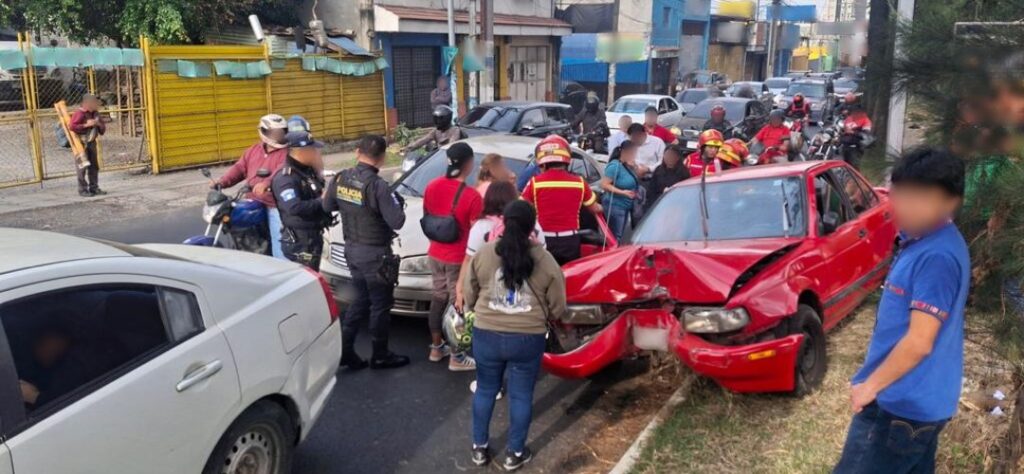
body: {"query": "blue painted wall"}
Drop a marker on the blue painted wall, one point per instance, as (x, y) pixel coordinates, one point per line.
(666, 21)
(391, 40)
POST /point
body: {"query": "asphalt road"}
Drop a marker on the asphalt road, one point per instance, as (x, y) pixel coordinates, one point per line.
(414, 419)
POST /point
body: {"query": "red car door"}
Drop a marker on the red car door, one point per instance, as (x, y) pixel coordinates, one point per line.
(876, 217)
(841, 238)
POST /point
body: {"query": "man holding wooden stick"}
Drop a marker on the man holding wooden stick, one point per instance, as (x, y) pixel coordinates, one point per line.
(88, 125)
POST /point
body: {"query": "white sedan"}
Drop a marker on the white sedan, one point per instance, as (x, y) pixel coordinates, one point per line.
(157, 358)
(669, 111)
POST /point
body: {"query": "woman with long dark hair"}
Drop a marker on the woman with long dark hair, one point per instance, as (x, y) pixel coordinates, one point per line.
(513, 285)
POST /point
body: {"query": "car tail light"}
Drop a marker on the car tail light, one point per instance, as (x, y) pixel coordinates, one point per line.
(332, 305)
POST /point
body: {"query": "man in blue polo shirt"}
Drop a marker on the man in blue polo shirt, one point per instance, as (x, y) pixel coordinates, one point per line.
(910, 383)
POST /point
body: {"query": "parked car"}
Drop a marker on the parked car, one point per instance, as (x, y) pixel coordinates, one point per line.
(532, 119)
(744, 296)
(689, 98)
(749, 114)
(412, 297)
(819, 93)
(777, 85)
(158, 358)
(759, 88)
(669, 111)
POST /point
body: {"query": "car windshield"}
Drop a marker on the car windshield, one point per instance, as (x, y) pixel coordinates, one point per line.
(845, 84)
(749, 209)
(694, 96)
(734, 109)
(498, 119)
(808, 89)
(632, 106)
(777, 83)
(736, 86)
(415, 182)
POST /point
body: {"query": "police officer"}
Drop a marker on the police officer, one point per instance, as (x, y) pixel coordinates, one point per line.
(370, 215)
(298, 187)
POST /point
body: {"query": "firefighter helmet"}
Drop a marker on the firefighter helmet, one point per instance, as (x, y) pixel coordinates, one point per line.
(553, 149)
(710, 137)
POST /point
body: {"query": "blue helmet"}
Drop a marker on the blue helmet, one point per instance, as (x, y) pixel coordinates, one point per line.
(296, 123)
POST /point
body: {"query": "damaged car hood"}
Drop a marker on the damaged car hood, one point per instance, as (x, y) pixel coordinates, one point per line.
(690, 272)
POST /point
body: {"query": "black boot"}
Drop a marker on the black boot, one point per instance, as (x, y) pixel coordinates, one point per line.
(351, 361)
(385, 359)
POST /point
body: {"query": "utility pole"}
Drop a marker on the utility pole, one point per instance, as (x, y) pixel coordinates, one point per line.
(613, 50)
(773, 37)
(898, 99)
(474, 77)
(489, 72)
(452, 82)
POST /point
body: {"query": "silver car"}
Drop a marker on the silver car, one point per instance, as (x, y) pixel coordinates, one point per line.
(412, 297)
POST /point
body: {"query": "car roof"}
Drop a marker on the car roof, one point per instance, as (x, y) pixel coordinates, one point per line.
(645, 96)
(25, 248)
(521, 104)
(779, 78)
(764, 171)
(511, 146)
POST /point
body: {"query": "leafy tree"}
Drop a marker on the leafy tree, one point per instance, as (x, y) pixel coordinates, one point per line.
(165, 21)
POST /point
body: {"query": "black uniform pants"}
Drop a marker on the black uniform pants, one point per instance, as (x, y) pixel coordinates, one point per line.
(373, 297)
(302, 246)
(564, 249)
(89, 177)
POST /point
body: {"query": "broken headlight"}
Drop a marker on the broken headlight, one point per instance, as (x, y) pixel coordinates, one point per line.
(714, 320)
(584, 314)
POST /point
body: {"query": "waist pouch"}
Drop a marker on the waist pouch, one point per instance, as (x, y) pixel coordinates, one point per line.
(443, 229)
(388, 269)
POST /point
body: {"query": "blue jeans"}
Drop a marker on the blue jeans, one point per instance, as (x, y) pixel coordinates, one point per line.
(617, 220)
(494, 353)
(879, 441)
(274, 222)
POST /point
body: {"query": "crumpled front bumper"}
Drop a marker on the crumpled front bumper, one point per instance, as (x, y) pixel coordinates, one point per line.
(768, 366)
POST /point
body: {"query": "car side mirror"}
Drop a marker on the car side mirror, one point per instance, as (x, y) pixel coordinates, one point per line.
(526, 129)
(830, 222)
(263, 173)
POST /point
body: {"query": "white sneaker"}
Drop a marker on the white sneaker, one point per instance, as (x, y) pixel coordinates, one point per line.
(460, 362)
(472, 388)
(438, 353)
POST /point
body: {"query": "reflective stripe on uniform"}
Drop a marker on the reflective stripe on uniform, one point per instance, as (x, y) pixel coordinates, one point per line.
(558, 184)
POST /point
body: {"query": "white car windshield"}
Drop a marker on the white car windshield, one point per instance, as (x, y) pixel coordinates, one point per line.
(808, 89)
(632, 106)
(416, 181)
(749, 209)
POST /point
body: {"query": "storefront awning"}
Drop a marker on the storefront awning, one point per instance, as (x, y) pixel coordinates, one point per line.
(397, 19)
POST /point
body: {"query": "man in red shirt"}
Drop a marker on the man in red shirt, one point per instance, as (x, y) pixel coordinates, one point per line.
(775, 138)
(268, 154)
(86, 122)
(558, 196)
(449, 195)
(651, 124)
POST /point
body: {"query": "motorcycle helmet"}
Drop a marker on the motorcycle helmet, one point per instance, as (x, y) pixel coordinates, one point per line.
(458, 329)
(593, 102)
(718, 111)
(268, 124)
(710, 137)
(850, 98)
(798, 100)
(777, 114)
(442, 116)
(553, 149)
(296, 123)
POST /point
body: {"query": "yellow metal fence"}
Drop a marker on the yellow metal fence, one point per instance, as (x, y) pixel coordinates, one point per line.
(168, 121)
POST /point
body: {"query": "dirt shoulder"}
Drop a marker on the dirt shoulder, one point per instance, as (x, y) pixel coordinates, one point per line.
(717, 431)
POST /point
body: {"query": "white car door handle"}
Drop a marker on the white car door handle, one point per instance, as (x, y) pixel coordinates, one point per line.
(198, 375)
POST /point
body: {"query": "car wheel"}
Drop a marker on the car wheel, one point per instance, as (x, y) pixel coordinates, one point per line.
(812, 361)
(260, 441)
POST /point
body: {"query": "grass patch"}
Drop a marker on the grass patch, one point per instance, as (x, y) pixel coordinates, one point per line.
(717, 431)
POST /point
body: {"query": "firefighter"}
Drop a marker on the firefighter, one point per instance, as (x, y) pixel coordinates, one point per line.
(559, 196)
(732, 154)
(708, 144)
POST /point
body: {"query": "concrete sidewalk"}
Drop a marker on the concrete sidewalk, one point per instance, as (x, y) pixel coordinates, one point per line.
(55, 204)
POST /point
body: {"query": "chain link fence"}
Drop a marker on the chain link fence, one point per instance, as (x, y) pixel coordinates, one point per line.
(29, 128)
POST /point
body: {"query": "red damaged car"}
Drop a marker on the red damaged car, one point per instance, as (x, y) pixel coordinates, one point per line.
(739, 275)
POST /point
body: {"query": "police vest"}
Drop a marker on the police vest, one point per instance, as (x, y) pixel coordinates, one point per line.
(361, 220)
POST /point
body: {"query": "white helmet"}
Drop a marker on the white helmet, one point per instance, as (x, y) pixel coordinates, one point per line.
(271, 122)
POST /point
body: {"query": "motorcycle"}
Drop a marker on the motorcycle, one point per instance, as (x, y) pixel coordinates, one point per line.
(243, 221)
(594, 141)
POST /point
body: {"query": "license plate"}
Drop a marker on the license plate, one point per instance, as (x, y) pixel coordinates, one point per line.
(691, 145)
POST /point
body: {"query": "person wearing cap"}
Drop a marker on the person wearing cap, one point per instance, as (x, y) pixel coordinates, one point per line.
(266, 155)
(371, 213)
(87, 123)
(558, 196)
(298, 187)
(449, 195)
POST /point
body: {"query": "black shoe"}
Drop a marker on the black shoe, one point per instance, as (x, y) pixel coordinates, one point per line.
(98, 192)
(353, 362)
(481, 455)
(513, 462)
(85, 193)
(388, 360)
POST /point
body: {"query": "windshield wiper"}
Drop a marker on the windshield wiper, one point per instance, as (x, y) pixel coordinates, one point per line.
(785, 211)
(704, 215)
(411, 189)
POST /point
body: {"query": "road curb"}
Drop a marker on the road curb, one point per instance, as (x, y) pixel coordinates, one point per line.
(632, 455)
